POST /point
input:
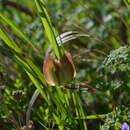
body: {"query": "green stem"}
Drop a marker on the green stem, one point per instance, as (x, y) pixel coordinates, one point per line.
(92, 117)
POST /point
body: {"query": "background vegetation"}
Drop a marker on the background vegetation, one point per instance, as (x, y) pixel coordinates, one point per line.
(99, 36)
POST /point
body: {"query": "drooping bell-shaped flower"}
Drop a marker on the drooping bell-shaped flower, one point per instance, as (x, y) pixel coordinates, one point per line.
(125, 126)
(59, 72)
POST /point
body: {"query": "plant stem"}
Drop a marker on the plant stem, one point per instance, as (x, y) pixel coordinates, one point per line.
(92, 117)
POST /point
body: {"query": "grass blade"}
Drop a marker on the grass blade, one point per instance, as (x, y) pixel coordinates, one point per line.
(16, 29)
(36, 70)
(9, 41)
(48, 27)
(38, 86)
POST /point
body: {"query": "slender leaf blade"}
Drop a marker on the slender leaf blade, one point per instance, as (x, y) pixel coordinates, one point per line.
(48, 27)
(9, 41)
(16, 29)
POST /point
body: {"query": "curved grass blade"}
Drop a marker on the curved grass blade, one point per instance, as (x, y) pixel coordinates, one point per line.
(38, 86)
(16, 29)
(50, 32)
(14, 46)
(10, 43)
(33, 99)
(36, 70)
(72, 35)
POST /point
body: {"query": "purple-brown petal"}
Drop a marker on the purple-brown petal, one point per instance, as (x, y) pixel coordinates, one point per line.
(59, 72)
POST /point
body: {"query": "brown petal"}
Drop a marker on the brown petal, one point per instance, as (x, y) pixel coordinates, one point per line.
(59, 72)
(49, 70)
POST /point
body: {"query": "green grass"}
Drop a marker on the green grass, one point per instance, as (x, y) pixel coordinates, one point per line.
(98, 97)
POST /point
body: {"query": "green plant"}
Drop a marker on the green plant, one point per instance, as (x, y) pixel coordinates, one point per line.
(97, 97)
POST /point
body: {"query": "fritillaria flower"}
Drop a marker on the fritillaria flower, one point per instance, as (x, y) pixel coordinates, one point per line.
(59, 72)
(125, 126)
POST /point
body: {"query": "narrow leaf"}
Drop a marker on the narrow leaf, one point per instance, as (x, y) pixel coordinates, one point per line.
(48, 27)
(38, 86)
(16, 29)
(9, 41)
